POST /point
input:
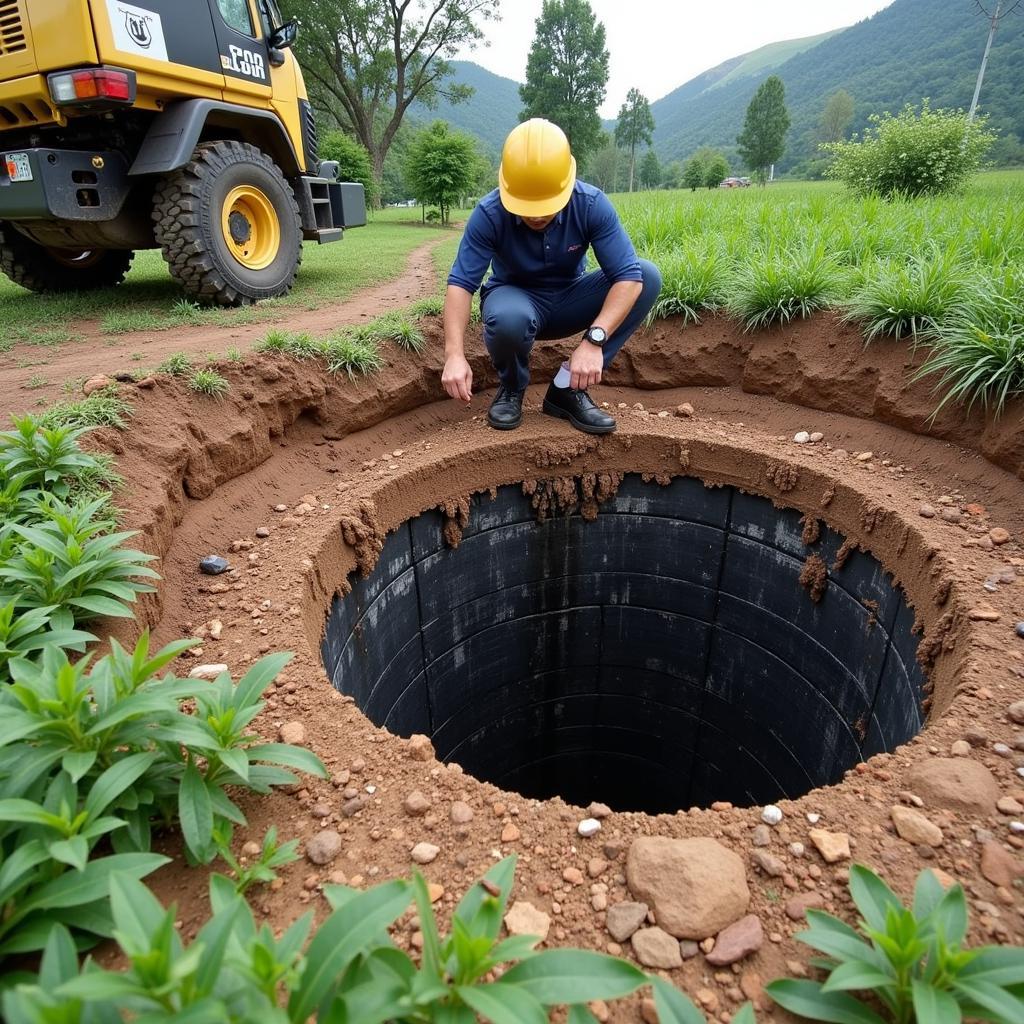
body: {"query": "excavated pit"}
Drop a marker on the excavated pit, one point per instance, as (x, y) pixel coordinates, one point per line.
(674, 646)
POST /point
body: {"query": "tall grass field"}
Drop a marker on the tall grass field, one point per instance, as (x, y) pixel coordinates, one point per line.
(947, 273)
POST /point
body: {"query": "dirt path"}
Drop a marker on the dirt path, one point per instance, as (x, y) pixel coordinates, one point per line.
(106, 353)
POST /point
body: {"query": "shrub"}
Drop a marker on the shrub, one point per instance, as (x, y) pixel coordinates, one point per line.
(102, 751)
(911, 961)
(931, 152)
(432, 216)
(350, 970)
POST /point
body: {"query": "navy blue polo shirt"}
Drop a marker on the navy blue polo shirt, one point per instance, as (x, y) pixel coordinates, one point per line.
(548, 259)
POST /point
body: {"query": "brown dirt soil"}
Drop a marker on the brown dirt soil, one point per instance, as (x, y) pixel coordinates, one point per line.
(203, 474)
(94, 353)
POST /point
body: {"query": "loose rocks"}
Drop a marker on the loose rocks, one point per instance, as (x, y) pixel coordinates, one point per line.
(914, 827)
(524, 918)
(957, 784)
(697, 887)
(323, 847)
(416, 804)
(207, 671)
(1016, 711)
(213, 565)
(656, 948)
(741, 939)
(292, 732)
(425, 853)
(588, 827)
(999, 866)
(771, 815)
(624, 918)
(420, 748)
(833, 846)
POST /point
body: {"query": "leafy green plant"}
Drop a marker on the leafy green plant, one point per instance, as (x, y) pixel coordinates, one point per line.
(350, 971)
(275, 340)
(209, 382)
(692, 283)
(234, 355)
(353, 353)
(177, 364)
(260, 871)
(401, 331)
(431, 306)
(912, 962)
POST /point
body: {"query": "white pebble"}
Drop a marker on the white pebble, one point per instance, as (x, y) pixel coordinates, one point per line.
(1020, 772)
(207, 671)
(588, 827)
(801, 437)
(817, 436)
(1017, 826)
(771, 815)
(814, 818)
(371, 790)
(797, 849)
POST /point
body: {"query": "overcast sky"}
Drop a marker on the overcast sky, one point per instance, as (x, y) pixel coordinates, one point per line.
(657, 45)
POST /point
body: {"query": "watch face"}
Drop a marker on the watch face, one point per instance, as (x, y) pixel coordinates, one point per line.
(597, 334)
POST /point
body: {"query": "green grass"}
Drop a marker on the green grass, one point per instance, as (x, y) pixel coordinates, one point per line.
(103, 408)
(210, 383)
(177, 364)
(150, 300)
(354, 354)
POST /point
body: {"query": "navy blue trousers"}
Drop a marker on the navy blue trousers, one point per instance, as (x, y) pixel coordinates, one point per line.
(514, 318)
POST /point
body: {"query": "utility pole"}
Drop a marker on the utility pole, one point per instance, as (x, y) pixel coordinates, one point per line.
(996, 16)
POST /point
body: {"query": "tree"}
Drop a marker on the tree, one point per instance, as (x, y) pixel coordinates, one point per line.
(693, 173)
(442, 166)
(367, 60)
(763, 139)
(672, 175)
(837, 115)
(603, 166)
(634, 126)
(716, 170)
(566, 73)
(650, 170)
(353, 161)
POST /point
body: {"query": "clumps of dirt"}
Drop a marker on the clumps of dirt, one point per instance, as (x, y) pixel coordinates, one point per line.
(684, 458)
(565, 494)
(456, 519)
(661, 479)
(814, 576)
(812, 530)
(872, 607)
(870, 515)
(362, 532)
(846, 549)
(828, 496)
(782, 475)
(561, 452)
(932, 644)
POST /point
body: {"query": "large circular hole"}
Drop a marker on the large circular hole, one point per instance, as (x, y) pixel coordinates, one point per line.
(684, 645)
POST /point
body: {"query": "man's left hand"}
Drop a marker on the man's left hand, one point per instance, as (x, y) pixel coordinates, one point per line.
(585, 366)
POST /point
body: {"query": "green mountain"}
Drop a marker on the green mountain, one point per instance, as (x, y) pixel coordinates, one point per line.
(910, 50)
(489, 114)
(767, 58)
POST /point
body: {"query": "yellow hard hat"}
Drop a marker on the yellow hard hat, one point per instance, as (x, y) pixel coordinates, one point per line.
(537, 170)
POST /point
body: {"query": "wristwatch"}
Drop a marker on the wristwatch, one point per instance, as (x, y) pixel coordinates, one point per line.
(596, 336)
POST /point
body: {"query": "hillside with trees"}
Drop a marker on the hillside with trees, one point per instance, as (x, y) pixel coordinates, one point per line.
(911, 50)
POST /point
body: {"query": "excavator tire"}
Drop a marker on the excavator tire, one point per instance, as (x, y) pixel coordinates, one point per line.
(228, 225)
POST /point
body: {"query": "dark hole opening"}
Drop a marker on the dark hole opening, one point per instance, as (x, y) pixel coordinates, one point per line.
(664, 655)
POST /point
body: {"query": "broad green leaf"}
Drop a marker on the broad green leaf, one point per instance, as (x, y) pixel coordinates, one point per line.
(836, 939)
(252, 685)
(673, 1007)
(431, 957)
(872, 896)
(98, 605)
(515, 947)
(580, 1014)
(122, 774)
(80, 887)
(503, 1003)
(950, 916)
(101, 985)
(73, 852)
(341, 938)
(928, 892)
(288, 756)
(745, 1015)
(1001, 1006)
(77, 762)
(136, 911)
(574, 976)
(856, 975)
(933, 1005)
(60, 959)
(214, 937)
(805, 999)
(195, 813)
(481, 911)
(997, 965)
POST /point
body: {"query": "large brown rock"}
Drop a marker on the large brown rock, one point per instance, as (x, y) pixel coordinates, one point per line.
(696, 887)
(1000, 866)
(958, 784)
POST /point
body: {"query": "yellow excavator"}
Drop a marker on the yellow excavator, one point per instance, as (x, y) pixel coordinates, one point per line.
(178, 124)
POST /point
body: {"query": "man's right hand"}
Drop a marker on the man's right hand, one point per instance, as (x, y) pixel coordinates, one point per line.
(457, 378)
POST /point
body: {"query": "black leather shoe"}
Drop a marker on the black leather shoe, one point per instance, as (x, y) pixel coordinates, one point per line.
(578, 408)
(506, 411)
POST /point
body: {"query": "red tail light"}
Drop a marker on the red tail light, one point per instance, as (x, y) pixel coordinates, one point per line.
(91, 86)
